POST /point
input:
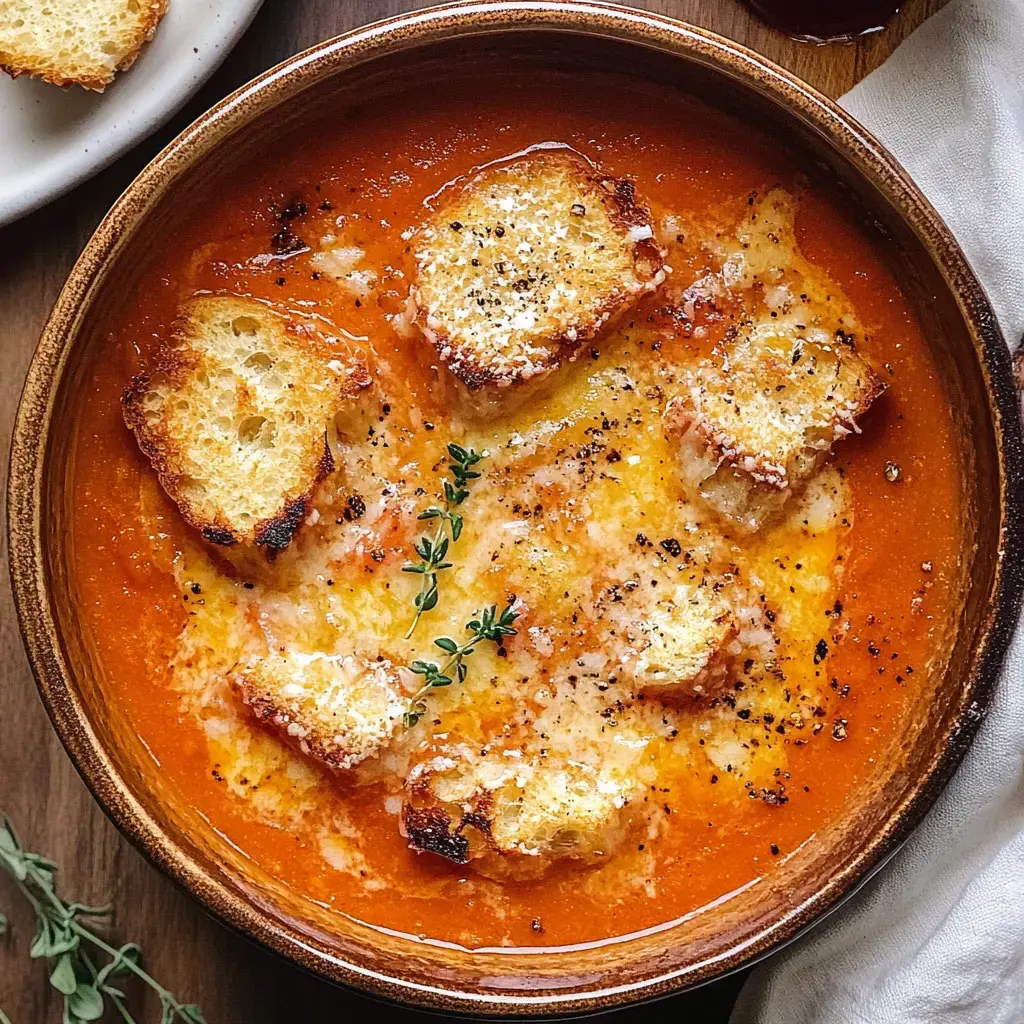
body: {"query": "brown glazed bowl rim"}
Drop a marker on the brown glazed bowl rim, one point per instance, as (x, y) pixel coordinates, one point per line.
(582, 18)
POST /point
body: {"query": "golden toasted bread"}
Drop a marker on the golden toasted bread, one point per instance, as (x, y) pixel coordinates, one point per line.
(234, 418)
(338, 709)
(527, 262)
(680, 647)
(514, 818)
(756, 423)
(85, 42)
(513, 813)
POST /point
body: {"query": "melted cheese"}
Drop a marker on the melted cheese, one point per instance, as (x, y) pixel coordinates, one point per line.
(580, 519)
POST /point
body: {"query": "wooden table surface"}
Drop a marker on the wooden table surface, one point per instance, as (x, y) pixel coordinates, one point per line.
(194, 956)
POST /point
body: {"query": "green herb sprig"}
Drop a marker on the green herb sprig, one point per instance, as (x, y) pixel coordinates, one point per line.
(490, 625)
(432, 549)
(62, 939)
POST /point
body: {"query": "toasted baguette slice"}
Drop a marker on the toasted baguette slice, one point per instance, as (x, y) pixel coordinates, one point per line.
(340, 710)
(756, 425)
(680, 648)
(84, 42)
(513, 817)
(234, 418)
(526, 263)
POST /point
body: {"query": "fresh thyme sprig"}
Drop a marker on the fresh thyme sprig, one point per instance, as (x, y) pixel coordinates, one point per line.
(432, 549)
(490, 625)
(62, 937)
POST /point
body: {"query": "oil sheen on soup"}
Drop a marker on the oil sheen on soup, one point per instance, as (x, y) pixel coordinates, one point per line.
(640, 633)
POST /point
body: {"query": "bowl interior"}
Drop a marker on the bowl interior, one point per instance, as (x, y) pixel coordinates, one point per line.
(747, 923)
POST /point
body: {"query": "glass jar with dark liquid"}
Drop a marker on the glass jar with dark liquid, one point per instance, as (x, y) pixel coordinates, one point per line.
(820, 21)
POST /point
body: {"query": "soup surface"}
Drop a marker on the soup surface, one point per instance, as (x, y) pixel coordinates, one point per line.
(579, 523)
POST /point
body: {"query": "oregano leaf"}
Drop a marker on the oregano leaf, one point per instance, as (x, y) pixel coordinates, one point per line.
(86, 1003)
(63, 940)
(60, 936)
(62, 977)
(42, 940)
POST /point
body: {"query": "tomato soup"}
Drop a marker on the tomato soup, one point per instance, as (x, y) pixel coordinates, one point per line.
(578, 521)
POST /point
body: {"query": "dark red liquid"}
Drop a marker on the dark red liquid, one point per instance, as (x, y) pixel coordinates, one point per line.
(819, 20)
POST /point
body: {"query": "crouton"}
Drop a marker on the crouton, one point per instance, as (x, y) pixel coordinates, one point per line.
(338, 709)
(526, 263)
(234, 419)
(85, 42)
(756, 424)
(680, 647)
(514, 814)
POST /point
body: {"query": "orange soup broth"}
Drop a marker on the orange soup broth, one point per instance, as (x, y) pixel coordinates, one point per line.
(381, 164)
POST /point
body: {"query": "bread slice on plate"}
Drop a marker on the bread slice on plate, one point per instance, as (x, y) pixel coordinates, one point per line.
(75, 42)
(235, 417)
(526, 262)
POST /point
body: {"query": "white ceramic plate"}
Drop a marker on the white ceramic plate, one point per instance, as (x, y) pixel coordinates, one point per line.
(51, 139)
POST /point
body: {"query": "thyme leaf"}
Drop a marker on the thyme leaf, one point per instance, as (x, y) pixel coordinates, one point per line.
(490, 625)
(64, 938)
(433, 548)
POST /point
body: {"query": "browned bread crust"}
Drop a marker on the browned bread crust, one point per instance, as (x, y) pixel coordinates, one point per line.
(680, 646)
(234, 417)
(756, 423)
(109, 37)
(528, 261)
(339, 709)
(513, 817)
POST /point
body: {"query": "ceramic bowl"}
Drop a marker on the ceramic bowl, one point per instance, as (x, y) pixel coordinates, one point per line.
(968, 350)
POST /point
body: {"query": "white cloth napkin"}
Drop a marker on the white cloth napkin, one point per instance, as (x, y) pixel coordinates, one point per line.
(938, 936)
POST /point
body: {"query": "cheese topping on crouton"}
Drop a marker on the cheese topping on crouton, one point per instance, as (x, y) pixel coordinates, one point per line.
(758, 422)
(513, 815)
(339, 709)
(682, 644)
(527, 262)
(235, 416)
